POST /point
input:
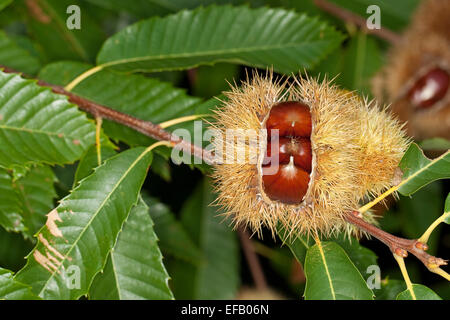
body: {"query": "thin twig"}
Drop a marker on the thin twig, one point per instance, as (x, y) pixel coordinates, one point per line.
(350, 17)
(145, 127)
(398, 246)
(252, 260)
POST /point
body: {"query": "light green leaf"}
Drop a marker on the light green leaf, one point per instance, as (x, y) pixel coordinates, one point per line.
(256, 37)
(420, 292)
(11, 289)
(330, 275)
(50, 29)
(14, 56)
(217, 277)
(418, 170)
(38, 126)
(136, 95)
(81, 231)
(174, 239)
(134, 269)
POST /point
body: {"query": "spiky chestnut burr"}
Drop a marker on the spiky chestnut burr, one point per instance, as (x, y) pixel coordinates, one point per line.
(415, 79)
(355, 149)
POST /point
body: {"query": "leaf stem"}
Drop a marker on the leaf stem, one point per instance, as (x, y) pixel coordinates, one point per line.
(98, 128)
(424, 238)
(409, 286)
(173, 122)
(82, 77)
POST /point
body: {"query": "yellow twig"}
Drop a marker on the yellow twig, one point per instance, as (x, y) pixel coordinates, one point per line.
(405, 275)
(440, 272)
(173, 122)
(98, 129)
(81, 77)
(157, 144)
(424, 238)
(379, 198)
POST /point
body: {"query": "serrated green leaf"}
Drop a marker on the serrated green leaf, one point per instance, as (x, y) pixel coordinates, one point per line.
(48, 26)
(38, 126)
(330, 275)
(136, 95)
(256, 37)
(14, 56)
(11, 289)
(82, 230)
(419, 292)
(218, 276)
(10, 211)
(36, 193)
(418, 170)
(134, 269)
(174, 239)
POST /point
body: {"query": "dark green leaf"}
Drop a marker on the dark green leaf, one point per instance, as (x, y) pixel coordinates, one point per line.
(134, 269)
(38, 126)
(330, 275)
(256, 37)
(218, 276)
(418, 170)
(81, 231)
(174, 239)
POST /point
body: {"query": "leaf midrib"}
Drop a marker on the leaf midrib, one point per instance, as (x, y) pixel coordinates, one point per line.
(94, 216)
(210, 52)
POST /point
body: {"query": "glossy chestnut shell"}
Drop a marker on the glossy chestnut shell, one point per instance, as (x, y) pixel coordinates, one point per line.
(289, 134)
(429, 88)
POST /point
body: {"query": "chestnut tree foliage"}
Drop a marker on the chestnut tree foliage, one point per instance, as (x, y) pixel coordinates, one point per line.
(101, 231)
